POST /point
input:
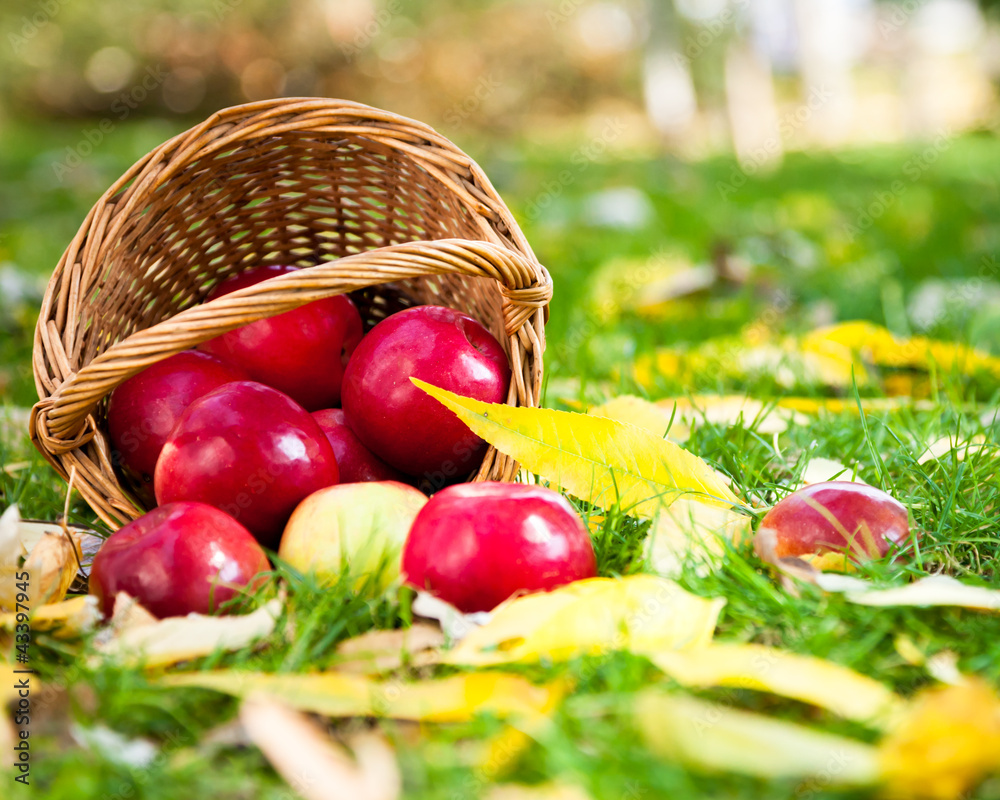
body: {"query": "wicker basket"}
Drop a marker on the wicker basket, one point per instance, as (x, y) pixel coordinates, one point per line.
(371, 202)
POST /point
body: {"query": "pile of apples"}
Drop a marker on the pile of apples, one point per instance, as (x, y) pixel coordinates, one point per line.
(301, 434)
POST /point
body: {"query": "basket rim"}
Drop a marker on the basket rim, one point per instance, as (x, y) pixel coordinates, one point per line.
(503, 254)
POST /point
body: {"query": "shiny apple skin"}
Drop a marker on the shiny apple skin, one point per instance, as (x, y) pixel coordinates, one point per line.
(357, 464)
(249, 450)
(355, 527)
(301, 352)
(174, 559)
(837, 516)
(142, 411)
(404, 426)
(474, 545)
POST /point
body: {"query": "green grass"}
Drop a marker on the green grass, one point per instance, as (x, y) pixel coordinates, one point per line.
(790, 228)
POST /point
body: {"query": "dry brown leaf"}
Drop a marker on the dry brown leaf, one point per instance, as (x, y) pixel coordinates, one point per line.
(51, 553)
(381, 651)
(314, 766)
(128, 614)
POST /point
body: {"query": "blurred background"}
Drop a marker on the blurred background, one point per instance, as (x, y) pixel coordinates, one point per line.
(686, 169)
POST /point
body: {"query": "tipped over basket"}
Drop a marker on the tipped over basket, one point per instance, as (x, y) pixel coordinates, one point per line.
(370, 202)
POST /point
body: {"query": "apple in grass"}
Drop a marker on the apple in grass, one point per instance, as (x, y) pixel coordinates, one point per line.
(356, 462)
(177, 559)
(302, 352)
(474, 545)
(143, 410)
(830, 522)
(403, 425)
(250, 451)
(358, 528)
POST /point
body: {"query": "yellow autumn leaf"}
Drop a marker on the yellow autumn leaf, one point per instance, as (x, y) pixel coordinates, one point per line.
(68, 618)
(12, 682)
(545, 791)
(709, 736)
(689, 532)
(877, 345)
(680, 414)
(934, 590)
(174, 639)
(453, 699)
(596, 459)
(945, 743)
(595, 616)
(651, 417)
(836, 688)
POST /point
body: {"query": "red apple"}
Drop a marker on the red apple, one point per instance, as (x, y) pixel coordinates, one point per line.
(833, 518)
(250, 450)
(402, 424)
(357, 464)
(301, 352)
(142, 411)
(177, 559)
(476, 544)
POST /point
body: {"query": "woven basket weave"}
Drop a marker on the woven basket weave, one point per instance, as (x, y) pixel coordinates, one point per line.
(369, 202)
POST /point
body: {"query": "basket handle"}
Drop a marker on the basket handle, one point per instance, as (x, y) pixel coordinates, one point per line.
(65, 420)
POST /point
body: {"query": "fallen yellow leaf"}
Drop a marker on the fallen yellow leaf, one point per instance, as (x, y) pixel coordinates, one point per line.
(934, 590)
(68, 618)
(951, 444)
(714, 737)
(680, 414)
(878, 345)
(381, 651)
(595, 616)
(454, 699)
(947, 741)
(836, 688)
(596, 459)
(688, 531)
(174, 639)
(547, 791)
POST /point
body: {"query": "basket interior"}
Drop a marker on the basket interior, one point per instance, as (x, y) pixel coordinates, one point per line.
(293, 198)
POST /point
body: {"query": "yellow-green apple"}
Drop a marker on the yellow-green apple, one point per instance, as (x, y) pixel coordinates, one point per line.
(403, 425)
(250, 450)
(301, 352)
(355, 527)
(476, 544)
(177, 559)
